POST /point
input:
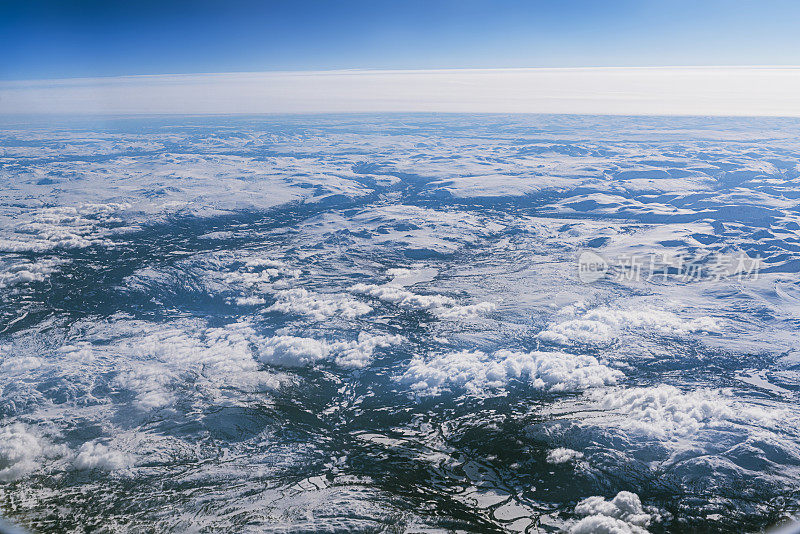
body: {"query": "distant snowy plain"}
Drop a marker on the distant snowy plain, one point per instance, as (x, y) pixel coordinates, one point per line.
(375, 322)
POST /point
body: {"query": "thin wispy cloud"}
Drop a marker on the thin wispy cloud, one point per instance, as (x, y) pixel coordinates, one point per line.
(737, 91)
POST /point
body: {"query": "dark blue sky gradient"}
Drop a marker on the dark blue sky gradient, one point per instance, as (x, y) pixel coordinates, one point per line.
(63, 38)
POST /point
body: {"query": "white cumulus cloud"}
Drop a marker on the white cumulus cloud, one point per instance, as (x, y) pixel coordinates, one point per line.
(22, 450)
(319, 307)
(440, 305)
(624, 514)
(563, 455)
(294, 351)
(603, 325)
(476, 372)
(93, 455)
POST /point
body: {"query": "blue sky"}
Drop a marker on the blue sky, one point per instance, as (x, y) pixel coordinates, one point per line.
(62, 39)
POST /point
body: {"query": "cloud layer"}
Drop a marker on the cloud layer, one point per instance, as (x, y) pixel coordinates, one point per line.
(735, 91)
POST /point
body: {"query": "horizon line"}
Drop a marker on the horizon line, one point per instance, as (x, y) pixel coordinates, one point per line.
(369, 70)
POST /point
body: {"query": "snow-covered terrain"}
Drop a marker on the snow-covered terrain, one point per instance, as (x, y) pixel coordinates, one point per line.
(366, 323)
